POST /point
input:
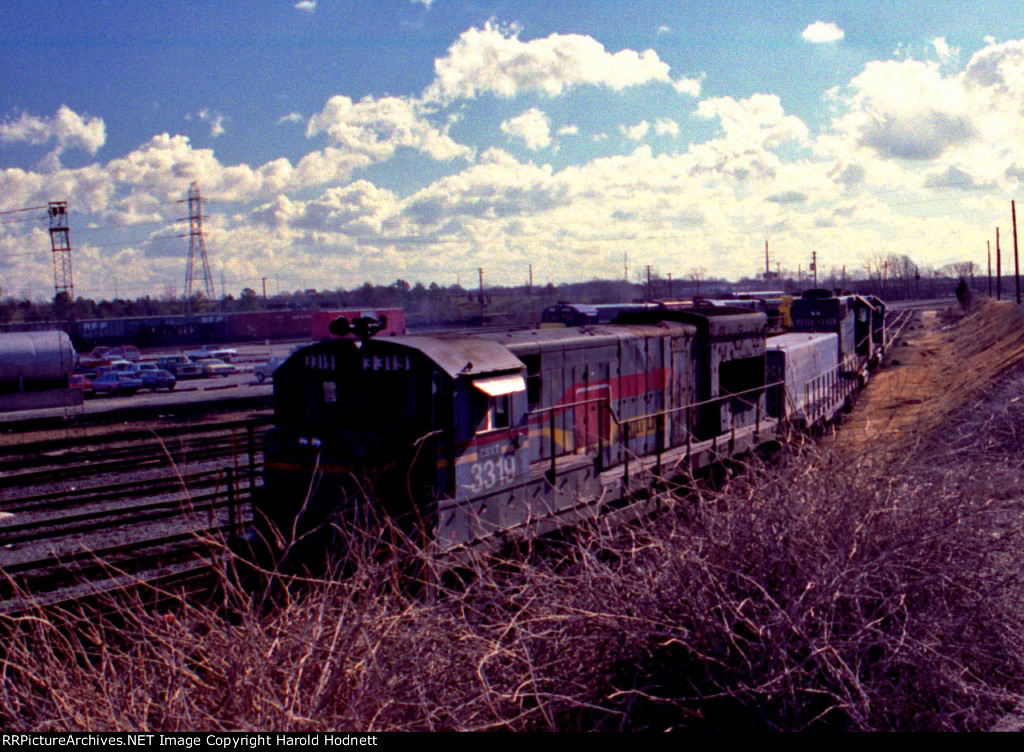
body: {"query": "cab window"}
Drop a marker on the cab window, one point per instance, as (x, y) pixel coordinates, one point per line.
(495, 413)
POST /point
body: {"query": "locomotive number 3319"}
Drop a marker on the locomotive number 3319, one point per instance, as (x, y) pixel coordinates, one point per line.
(487, 474)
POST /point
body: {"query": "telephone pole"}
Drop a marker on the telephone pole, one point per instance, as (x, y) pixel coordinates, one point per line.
(481, 270)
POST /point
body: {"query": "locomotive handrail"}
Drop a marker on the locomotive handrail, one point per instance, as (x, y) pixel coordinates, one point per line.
(826, 389)
(604, 403)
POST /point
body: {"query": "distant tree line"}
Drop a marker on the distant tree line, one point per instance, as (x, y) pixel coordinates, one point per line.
(891, 277)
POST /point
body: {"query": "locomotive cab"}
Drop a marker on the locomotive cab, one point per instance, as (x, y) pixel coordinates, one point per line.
(383, 429)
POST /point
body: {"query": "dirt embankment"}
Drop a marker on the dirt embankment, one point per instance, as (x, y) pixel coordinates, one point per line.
(937, 368)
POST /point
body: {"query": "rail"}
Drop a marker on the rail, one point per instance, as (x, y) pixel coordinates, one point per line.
(106, 509)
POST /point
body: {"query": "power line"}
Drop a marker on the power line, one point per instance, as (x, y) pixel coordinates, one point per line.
(26, 209)
(22, 219)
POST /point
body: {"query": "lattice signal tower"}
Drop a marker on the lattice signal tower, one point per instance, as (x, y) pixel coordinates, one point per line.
(197, 246)
(60, 245)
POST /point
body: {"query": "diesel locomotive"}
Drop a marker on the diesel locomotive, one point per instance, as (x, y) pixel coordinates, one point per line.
(471, 439)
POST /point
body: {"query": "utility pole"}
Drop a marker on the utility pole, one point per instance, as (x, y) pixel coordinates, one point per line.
(999, 269)
(1016, 258)
(531, 279)
(814, 266)
(481, 270)
(767, 266)
(988, 243)
(649, 296)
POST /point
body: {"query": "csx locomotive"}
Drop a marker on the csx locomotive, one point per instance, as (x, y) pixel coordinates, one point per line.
(470, 439)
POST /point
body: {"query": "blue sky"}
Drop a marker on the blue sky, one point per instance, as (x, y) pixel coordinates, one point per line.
(339, 142)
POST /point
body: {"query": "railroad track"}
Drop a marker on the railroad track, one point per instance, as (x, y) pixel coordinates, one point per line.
(83, 515)
(898, 321)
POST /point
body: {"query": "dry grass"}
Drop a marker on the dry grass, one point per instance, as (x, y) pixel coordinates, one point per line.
(813, 595)
(822, 592)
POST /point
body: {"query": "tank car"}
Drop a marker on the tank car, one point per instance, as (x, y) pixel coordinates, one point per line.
(470, 439)
(31, 361)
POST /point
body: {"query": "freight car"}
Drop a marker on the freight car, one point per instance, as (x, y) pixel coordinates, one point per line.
(468, 440)
(154, 331)
(34, 370)
(581, 314)
(35, 361)
(807, 386)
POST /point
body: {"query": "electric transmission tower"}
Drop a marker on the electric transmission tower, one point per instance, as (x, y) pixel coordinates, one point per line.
(196, 247)
(60, 244)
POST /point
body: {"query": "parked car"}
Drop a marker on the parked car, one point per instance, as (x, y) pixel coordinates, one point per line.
(117, 383)
(180, 366)
(215, 367)
(153, 377)
(80, 381)
(266, 370)
(126, 352)
(116, 365)
(226, 354)
(100, 356)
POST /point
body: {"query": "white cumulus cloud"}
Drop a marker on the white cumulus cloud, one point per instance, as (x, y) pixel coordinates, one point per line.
(494, 60)
(377, 127)
(308, 6)
(946, 53)
(689, 86)
(66, 130)
(907, 110)
(822, 32)
(666, 127)
(215, 119)
(635, 132)
(533, 127)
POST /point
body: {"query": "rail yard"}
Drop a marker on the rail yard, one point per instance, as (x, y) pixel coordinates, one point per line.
(153, 489)
(925, 355)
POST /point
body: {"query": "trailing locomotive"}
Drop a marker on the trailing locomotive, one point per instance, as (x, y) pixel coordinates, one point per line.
(469, 439)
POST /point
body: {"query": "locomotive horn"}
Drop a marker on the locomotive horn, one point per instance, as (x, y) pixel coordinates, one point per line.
(340, 327)
(363, 327)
